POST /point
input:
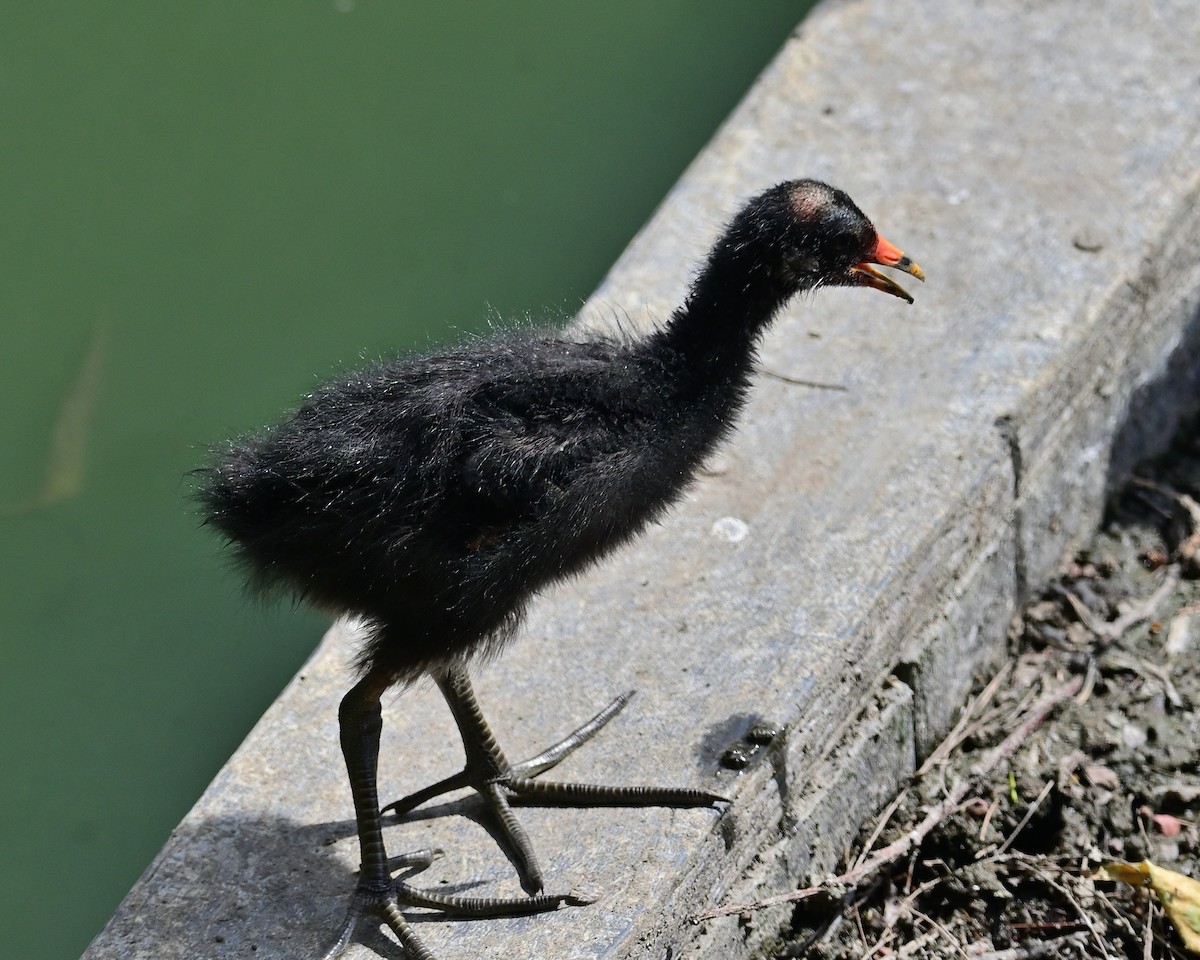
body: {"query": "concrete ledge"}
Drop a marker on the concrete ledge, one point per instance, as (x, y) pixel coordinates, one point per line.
(1041, 164)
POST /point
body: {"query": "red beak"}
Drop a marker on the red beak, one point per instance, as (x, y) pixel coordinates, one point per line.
(864, 275)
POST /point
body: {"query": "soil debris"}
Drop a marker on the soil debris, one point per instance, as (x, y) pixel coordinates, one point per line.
(1079, 762)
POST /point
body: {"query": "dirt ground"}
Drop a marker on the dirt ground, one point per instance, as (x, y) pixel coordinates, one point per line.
(1083, 750)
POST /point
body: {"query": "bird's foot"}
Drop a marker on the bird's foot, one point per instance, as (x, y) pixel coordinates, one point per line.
(501, 785)
(383, 902)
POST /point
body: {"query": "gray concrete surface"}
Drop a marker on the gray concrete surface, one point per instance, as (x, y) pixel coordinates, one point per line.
(1042, 163)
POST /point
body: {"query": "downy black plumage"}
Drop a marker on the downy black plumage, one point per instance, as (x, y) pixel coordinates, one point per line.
(434, 496)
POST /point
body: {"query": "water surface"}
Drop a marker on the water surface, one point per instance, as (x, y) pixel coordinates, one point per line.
(206, 208)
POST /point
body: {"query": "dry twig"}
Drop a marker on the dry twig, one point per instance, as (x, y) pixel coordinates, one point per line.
(965, 727)
(1136, 612)
(798, 382)
(1036, 868)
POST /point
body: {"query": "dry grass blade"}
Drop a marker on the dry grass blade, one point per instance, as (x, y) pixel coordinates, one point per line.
(966, 725)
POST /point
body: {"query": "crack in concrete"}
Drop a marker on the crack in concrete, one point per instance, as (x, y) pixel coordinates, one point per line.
(1006, 424)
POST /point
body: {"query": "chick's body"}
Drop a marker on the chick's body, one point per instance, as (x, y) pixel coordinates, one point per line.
(433, 496)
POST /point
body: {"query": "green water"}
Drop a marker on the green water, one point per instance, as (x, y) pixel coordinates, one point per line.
(204, 207)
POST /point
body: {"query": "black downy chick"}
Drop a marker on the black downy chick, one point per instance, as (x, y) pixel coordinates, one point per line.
(434, 496)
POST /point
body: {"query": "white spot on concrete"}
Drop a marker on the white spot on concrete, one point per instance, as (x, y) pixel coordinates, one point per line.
(731, 529)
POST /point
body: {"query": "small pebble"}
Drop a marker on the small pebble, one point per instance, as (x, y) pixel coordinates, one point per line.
(1100, 776)
(1088, 241)
(1168, 852)
(1168, 825)
(1133, 736)
(1179, 636)
(736, 757)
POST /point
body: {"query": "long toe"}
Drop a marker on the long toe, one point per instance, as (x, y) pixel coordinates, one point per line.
(385, 906)
(548, 758)
(550, 793)
(501, 784)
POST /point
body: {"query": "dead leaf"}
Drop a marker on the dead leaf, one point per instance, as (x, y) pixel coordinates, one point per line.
(1168, 825)
(1178, 894)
